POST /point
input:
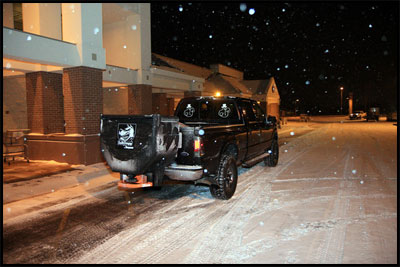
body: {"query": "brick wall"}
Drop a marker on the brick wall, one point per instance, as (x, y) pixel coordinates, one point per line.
(44, 100)
(160, 103)
(139, 99)
(171, 106)
(83, 100)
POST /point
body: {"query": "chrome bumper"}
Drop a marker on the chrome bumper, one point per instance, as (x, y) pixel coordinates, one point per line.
(184, 172)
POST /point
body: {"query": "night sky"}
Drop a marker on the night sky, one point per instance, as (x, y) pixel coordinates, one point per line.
(310, 48)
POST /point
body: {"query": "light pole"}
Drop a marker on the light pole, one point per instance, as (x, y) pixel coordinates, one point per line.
(341, 100)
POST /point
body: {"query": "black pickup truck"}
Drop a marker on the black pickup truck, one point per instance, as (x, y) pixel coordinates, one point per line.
(204, 142)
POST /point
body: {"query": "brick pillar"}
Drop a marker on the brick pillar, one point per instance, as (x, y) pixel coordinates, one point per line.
(171, 103)
(160, 104)
(192, 93)
(83, 100)
(139, 99)
(45, 107)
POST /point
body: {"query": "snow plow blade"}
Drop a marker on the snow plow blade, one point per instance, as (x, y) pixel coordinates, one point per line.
(141, 182)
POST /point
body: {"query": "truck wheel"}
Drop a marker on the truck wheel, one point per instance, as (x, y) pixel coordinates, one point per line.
(226, 179)
(272, 159)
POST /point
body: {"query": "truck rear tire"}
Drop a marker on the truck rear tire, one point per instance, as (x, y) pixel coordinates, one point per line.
(226, 179)
(272, 159)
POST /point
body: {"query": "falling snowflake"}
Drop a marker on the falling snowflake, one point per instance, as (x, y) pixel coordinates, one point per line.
(96, 30)
(354, 171)
(291, 133)
(243, 7)
(252, 11)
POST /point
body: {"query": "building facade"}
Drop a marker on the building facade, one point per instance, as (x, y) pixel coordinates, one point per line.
(64, 64)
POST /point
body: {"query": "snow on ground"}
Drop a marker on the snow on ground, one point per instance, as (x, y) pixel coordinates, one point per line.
(331, 199)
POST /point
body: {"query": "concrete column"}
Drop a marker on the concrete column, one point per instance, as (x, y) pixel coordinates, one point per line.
(42, 19)
(139, 99)
(83, 100)
(44, 96)
(127, 38)
(160, 104)
(8, 15)
(82, 25)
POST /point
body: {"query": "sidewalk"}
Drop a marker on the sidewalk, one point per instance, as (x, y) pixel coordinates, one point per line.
(20, 170)
(24, 180)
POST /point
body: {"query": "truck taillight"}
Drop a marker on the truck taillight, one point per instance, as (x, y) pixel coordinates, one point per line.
(198, 147)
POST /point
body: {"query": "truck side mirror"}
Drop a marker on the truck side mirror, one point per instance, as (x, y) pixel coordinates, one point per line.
(271, 119)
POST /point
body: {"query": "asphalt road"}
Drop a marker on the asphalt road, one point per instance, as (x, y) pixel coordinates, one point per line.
(331, 199)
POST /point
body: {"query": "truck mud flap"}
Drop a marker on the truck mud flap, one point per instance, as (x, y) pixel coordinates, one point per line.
(141, 182)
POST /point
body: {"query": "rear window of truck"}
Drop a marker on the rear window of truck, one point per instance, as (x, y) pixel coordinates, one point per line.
(220, 111)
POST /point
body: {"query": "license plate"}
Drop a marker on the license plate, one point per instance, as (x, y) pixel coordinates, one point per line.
(126, 135)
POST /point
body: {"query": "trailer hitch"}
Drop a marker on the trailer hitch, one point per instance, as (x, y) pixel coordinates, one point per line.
(138, 181)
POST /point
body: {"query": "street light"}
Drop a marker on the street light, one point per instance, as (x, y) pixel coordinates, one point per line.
(341, 100)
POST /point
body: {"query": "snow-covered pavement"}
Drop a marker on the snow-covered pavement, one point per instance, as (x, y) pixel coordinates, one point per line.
(332, 198)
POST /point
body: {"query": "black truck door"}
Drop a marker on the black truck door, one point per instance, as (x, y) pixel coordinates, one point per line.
(253, 128)
(266, 130)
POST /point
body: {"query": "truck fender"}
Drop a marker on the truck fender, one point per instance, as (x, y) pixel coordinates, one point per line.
(230, 148)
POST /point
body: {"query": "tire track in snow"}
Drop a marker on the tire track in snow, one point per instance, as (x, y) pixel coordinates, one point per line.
(183, 229)
(209, 249)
